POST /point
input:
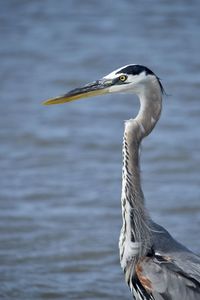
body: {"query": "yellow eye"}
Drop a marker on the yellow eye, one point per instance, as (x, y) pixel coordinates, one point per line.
(123, 78)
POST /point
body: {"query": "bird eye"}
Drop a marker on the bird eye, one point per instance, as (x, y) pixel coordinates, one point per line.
(123, 78)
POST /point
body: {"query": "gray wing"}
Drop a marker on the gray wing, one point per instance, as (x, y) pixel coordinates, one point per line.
(169, 272)
(162, 279)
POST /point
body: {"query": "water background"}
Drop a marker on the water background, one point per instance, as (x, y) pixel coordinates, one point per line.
(60, 176)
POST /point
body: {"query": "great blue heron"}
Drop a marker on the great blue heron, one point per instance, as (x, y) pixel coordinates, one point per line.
(156, 266)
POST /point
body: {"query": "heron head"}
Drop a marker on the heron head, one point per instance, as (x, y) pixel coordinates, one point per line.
(127, 79)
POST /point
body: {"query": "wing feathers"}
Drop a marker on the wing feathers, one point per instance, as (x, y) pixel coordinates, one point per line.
(162, 279)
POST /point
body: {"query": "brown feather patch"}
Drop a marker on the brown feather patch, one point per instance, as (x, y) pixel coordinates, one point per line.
(146, 283)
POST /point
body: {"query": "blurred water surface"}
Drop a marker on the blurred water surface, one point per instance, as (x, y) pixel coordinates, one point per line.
(60, 176)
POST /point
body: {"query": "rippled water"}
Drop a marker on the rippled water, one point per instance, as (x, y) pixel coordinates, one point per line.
(60, 174)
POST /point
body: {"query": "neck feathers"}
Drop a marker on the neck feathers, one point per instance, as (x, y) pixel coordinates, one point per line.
(135, 238)
(135, 232)
(150, 108)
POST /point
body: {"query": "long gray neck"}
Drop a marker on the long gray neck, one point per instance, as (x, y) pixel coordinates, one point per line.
(150, 109)
(135, 238)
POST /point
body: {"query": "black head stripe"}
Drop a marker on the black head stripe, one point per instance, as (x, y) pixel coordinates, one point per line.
(135, 70)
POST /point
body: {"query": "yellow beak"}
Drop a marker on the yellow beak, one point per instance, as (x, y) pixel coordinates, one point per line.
(96, 88)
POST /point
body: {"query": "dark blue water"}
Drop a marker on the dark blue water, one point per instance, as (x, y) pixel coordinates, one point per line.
(60, 176)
